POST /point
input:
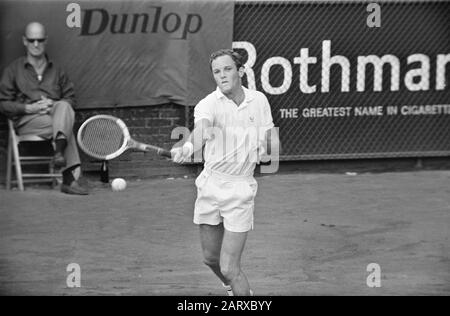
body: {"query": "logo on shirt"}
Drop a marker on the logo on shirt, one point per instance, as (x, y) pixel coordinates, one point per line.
(252, 119)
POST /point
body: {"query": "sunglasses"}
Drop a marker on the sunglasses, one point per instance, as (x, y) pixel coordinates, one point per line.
(32, 40)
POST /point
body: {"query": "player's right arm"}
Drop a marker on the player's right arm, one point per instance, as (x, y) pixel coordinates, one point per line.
(194, 142)
(203, 121)
(200, 134)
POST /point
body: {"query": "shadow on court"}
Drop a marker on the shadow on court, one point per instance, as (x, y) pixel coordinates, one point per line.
(315, 234)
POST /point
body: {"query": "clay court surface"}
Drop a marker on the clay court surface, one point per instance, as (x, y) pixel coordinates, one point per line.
(315, 234)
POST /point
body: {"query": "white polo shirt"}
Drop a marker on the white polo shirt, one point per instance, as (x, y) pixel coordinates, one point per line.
(237, 131)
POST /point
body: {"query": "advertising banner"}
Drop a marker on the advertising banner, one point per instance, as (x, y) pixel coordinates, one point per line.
(351, 79)
(125, 53)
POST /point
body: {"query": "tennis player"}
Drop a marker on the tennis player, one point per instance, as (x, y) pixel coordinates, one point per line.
(235, 125)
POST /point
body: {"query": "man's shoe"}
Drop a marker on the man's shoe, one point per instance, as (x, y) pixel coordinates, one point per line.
(74, 188)
(58, 160)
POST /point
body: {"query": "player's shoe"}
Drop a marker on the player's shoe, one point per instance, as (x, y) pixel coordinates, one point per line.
(228, 289)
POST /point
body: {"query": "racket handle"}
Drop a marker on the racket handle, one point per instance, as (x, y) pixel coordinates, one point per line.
(146, 147)
(164, 153)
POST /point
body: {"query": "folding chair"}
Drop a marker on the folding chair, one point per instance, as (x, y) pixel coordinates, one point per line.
(14, 158)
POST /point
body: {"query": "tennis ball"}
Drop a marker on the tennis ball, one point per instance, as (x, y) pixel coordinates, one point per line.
(118, 184)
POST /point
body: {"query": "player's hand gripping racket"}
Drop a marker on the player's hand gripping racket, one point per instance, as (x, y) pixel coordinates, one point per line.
(106, 137)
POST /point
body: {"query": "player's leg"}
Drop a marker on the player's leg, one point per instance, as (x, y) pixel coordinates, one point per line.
(211, 241)
(230, 262)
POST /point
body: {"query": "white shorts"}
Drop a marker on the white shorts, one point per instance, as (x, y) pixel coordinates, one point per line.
(225, 198)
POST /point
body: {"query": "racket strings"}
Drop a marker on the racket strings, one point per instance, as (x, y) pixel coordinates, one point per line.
(102, 137)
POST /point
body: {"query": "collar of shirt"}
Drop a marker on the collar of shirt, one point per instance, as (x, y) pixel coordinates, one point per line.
(25, 61)
(248, 96)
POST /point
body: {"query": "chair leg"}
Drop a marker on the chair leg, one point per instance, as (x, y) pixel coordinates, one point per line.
(51, 169)
(8, 163)
(17, 162)
(13, 157)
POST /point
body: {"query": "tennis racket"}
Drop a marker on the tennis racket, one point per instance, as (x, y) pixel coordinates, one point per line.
(106, 137)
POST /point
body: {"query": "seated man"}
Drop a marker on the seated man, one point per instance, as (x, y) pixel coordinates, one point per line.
(37, 95)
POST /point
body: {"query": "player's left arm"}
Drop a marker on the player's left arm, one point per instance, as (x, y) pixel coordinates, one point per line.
(270, 146)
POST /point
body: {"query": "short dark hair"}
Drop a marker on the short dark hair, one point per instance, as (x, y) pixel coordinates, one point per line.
(237, 58)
